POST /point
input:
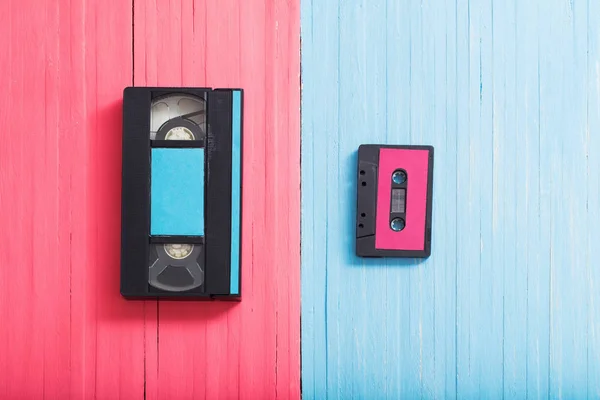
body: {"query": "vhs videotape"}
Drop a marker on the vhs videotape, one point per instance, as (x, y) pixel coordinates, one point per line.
(394, 199)
(181, 193)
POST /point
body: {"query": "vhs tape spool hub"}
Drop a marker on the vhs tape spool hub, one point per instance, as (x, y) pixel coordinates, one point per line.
(176, 267)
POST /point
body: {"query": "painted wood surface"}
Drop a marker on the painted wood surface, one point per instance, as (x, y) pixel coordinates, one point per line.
(65, 332)
(508, 92)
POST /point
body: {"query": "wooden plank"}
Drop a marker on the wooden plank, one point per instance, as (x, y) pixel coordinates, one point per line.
(64, 72)
(563, 110)
(66, 331)
(251, 349)
(320, 47)
(23, 70)
(593, 204)
(508, 94)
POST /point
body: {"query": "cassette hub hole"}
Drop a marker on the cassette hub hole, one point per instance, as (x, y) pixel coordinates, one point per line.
(397, 224)
(399, 177)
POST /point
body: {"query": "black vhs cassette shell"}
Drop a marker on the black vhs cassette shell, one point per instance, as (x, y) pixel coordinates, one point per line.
(181, 193)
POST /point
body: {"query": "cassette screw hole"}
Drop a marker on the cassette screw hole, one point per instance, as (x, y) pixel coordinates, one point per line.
(364, 183)
(363, 215)
(361, 226)
(399, 177)
(397, 224)
(362, 172)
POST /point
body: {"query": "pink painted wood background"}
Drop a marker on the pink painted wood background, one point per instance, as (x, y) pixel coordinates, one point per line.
(65, 332)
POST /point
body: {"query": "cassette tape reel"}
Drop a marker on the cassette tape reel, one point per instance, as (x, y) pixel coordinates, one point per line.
(394, 198)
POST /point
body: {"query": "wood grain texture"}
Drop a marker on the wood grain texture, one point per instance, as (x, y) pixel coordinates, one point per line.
(65, 330)
(508, 92)
(249, 350)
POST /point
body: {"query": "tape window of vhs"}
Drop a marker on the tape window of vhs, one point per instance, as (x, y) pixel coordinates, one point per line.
(181, 193)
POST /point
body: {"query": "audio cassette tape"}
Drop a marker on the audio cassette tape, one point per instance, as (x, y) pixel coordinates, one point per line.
(394, 197)
(181, 193)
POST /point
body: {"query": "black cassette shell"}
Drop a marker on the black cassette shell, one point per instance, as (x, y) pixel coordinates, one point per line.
(368, 203)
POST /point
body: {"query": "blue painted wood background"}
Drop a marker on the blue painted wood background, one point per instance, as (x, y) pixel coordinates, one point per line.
(508, 304)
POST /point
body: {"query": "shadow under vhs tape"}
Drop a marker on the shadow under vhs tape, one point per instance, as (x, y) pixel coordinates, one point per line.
(181, 193)
(394, 200)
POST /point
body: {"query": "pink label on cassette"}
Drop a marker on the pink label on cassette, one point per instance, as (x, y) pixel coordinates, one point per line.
(416, 165)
